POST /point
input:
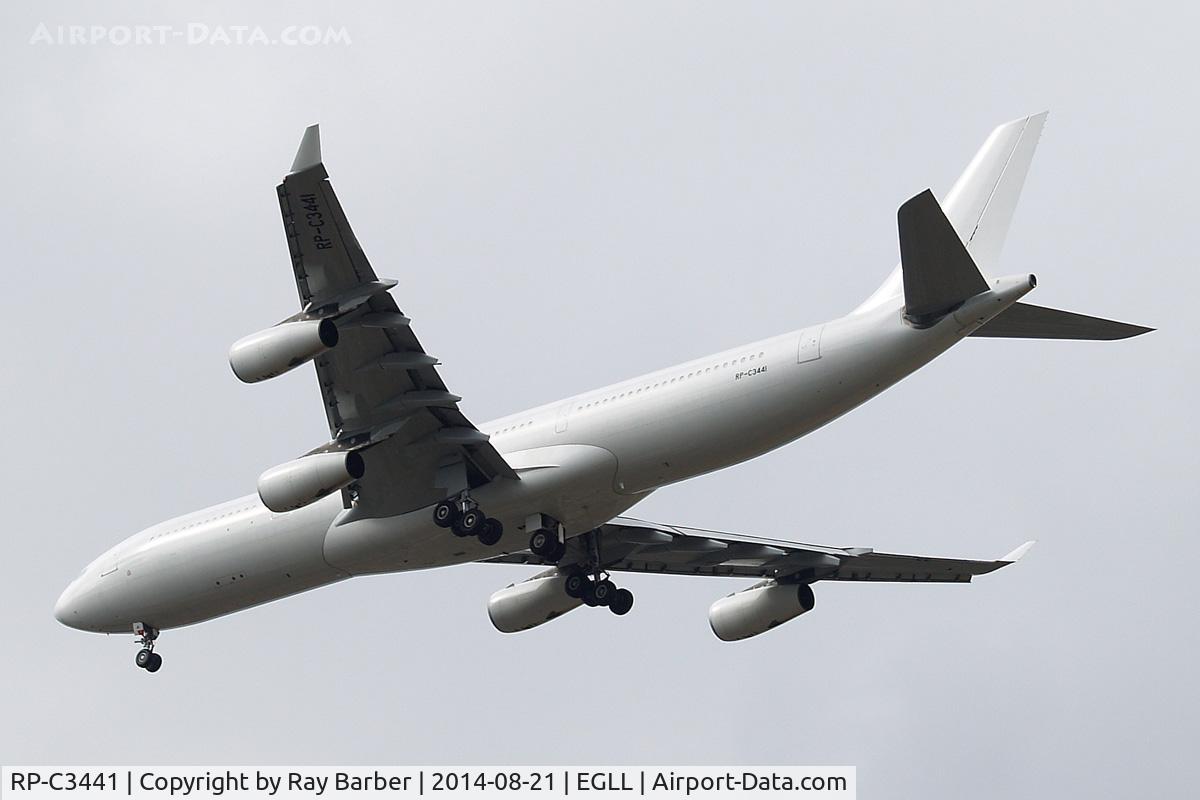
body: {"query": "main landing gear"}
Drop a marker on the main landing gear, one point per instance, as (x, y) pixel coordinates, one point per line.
(598, 590)
(462, 516)
(591, 583)
(146, 658)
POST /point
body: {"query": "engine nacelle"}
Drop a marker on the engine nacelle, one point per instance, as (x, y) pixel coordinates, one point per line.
(276, 350)
(307, 479)
(758, 609)
(528, 604)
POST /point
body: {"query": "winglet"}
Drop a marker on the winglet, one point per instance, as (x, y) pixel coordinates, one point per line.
(1016, 555)
(309, 154)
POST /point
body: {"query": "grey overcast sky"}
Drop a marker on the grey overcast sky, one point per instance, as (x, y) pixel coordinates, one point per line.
(571, 194)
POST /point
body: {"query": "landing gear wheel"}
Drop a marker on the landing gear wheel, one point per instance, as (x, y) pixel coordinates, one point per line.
(444, 514)
(143, 657)
(621, 603)
(491, 532)
(542, 543)
(560, 550)
(470, 523)
(575, 584)
(589, 594)
(154, 663)
(604, 592)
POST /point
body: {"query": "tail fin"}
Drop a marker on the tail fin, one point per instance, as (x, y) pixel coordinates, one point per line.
(1025, 321)
(938, 271)
(983, 200)
(980, 205)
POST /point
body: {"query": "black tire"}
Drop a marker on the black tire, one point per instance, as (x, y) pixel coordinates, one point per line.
(560, 550)
(621, 603)
(472, 520)
(604, 592)
(469, 523)
(491, 532)
(445, 513)
(143, 658)
(589, 595)
(541, 542)
(155, 663)
(575, 584)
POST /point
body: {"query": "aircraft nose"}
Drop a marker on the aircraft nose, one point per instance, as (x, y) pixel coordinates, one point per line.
(67, 609)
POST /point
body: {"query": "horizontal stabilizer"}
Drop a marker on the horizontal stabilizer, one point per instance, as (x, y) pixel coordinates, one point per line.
(938, 271)
(1025, 321)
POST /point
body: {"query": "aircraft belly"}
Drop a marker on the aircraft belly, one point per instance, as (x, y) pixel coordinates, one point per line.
(572, 483)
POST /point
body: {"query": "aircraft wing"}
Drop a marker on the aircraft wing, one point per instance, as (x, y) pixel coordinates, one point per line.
(379, 385)
(631, 545)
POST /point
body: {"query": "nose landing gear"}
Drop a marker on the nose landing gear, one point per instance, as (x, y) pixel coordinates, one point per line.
(146, 658)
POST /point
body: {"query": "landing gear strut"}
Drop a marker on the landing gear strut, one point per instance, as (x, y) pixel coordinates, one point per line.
(464, 518)
(146, 658)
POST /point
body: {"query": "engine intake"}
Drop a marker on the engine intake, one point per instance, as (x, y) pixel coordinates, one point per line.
(758, 609)
(281, 348)
(307, 479)
(528, 604)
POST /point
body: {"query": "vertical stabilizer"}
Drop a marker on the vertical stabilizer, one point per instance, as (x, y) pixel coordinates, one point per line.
(984, 197)
(980, 205)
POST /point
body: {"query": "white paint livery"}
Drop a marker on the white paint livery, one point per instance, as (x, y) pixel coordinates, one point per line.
(306, 480)
(281, 348)
(525, 605)
(758, 609)
(547, 486)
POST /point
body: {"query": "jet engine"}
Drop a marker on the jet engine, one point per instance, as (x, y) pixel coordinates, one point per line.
(280, 348)
(525, 605)
(307, 479)
(758, 609)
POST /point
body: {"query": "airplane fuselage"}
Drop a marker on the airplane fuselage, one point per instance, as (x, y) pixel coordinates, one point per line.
(583, 461)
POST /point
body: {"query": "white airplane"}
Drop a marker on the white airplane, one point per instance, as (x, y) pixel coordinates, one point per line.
(408, 482)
